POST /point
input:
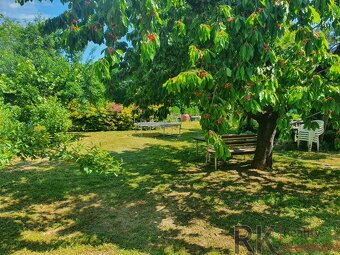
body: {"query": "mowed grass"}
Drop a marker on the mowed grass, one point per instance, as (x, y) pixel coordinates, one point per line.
(168, 201)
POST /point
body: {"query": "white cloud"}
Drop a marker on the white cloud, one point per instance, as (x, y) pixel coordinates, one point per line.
(14, 5)
(28, 12)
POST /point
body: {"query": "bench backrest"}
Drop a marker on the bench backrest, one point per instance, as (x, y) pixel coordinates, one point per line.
(235, 140)
(240, 140)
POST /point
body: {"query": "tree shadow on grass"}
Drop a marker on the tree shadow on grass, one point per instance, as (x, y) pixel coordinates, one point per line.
(164, 202)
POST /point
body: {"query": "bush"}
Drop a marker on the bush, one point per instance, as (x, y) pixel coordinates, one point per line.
(8, 126)
(93, 160)
(88, 117)
(175, 111)
(192, 111)
(42, 135)
(35, 141)
(51, 115)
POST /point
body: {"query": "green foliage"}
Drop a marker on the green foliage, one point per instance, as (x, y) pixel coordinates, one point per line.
(149, 47)
(44, 132)
(88, 117)
(204, 32)
(97, 161)
(36, 142)
(192, 111)
(258, 57)
(43, 135)
(220, 147)
(26, 50)
(51, 115)
(175, 111)
(8, 125)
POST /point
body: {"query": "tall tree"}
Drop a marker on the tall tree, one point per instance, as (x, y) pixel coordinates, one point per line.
(266, 58)
(33, 66)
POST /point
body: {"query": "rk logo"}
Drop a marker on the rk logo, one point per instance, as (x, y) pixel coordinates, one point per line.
(262, 239)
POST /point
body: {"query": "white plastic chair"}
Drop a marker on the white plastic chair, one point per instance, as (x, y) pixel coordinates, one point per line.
(311, 136)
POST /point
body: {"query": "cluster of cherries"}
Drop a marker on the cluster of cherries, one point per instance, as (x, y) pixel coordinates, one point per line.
(202, 74)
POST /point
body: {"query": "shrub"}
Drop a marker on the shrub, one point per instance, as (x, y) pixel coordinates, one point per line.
(192, 111)
(174, 111)
(94, 160)
(8, 127)
(43, 134)
(126, 118)
(88, 117)
(35, 141)
(51, 115)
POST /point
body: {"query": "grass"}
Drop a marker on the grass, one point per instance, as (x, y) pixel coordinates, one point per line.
(168, 201)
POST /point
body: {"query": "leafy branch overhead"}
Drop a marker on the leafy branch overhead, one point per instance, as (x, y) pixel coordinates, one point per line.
(263, 58)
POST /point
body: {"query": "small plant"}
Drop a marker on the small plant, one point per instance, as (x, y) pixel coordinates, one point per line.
(192, 111)
(95, 160)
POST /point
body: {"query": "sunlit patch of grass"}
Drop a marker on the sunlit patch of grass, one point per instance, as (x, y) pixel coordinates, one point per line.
(168, 201)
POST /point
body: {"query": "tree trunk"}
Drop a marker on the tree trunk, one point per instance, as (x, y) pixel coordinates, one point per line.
(263, 158)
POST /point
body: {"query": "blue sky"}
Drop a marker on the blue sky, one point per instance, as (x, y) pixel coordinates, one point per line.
(30, 10)
(45, 9)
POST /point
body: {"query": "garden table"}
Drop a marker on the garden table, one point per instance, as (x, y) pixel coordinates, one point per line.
(161, 125)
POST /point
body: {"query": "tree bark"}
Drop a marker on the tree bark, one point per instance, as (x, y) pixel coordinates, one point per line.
(263, 158)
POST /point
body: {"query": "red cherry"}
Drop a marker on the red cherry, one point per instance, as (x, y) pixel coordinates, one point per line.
(151, 37)
(74, 21)
(230, 19)
(282, 62)
(265, 47)
(219, 121)
(110, 50)
(111, 35)
(247, 97)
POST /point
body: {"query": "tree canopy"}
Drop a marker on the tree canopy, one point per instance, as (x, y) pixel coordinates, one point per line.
(266, 59)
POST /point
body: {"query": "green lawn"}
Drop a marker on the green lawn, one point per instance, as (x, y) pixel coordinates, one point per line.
(168, 201)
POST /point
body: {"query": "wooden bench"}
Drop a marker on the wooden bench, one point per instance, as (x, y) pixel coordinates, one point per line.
(238, 145)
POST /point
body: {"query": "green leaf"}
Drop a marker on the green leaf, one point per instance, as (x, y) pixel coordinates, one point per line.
(221, 40)
(225, 11)
(243, 52)
(204, 32)
(315, 16)
(237, 25)
(228, 72)
(309, 48)
(179, 27)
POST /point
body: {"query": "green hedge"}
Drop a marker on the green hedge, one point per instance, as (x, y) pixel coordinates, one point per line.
(87, 117)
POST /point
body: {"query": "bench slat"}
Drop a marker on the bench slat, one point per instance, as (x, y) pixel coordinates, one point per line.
(229, 137)
(237, 151)
(241, 144)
